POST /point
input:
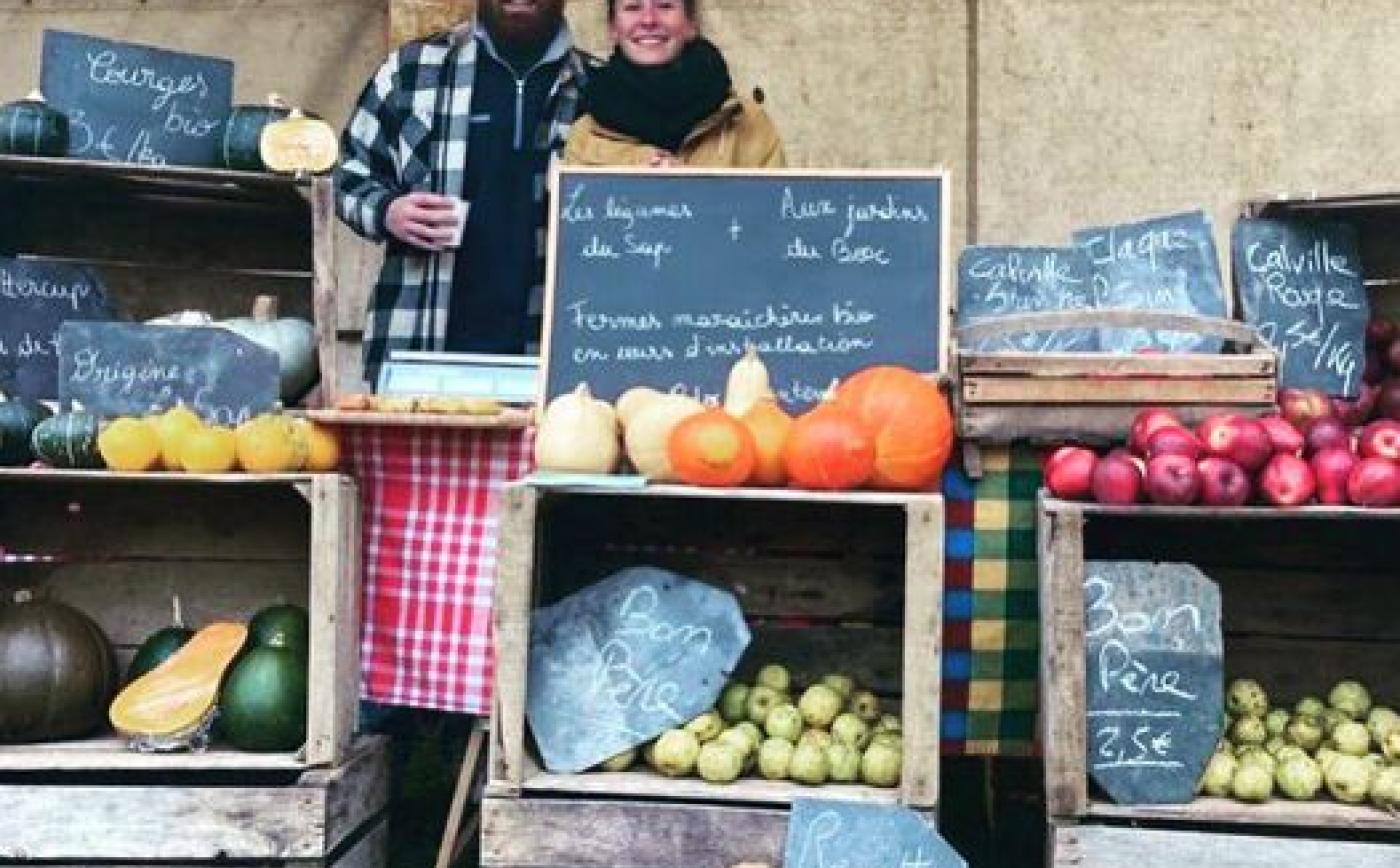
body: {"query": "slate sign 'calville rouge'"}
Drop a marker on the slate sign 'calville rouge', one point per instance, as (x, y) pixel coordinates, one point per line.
(36, 298)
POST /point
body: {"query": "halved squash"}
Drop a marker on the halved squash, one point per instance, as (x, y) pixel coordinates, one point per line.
(178, 695)
(298, 143)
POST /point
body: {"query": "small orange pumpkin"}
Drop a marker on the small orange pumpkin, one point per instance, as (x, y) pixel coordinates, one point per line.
(829, 450)
(770, 426)
(712, 449)
(911, 422)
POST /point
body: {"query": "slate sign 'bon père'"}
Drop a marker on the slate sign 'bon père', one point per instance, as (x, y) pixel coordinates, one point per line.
(1154, 686)
(36, 298)
(620, 662)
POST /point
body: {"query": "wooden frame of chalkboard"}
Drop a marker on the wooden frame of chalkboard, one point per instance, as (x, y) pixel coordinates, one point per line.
(1284, 624)
(863, 345)
(833, 559)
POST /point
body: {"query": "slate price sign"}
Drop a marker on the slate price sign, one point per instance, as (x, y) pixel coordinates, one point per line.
(36, 298)
(1154, 682)
(626, 659)
(998, 282)
(829, 833)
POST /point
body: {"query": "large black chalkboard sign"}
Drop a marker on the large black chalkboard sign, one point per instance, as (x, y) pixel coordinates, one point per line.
(36, 297)
(662, 278)
(1005, 281)
(825, 833)
(131, 103)
(1300, 284)
(624, 660)
(1153, 677)
(1167, 264)
(117, 369)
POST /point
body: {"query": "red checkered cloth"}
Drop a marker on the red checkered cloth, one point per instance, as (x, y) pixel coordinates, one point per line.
(430, 525)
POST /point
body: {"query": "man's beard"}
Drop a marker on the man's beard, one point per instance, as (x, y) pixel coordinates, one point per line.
(516, 31)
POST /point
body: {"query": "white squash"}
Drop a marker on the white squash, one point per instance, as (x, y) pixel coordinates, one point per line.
(632, 401)
(578, 434)
(748, 383)
(291, 338)
(650, 431)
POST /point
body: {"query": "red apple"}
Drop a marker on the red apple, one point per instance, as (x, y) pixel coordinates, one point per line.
(1355, 411)
(1069, 472)
(1239, 438)
(1173, 480)
(1380, 439)
(1173, 441)
(1282, 434)
(1332, 467)
(1388, 402)
(1117, 480)
(1327, 433)
(1147, 423)
(1392, 355)
(1375, 482)
(1223, 482)
(1375, 368)
(1302, 406)
(1287, 480)
(1380, 332)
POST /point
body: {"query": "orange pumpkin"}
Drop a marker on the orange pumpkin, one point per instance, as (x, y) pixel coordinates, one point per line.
(770, 426)
(910, 420)
(829, 450)
(711, 449)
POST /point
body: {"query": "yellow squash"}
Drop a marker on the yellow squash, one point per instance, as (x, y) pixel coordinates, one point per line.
(176, 696)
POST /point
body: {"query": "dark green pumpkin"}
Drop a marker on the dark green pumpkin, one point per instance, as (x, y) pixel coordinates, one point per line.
(18, 418)
(158, 648)
(243, 133)
(262, 706)
(57, 671)
(32, 128)
(284, 626)
(68, 440)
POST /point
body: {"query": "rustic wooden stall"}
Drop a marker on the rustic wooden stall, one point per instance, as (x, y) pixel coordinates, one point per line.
(1308, 599)
(840, 582)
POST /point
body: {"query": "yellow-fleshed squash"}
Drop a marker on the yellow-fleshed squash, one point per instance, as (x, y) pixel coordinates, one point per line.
(177, 696)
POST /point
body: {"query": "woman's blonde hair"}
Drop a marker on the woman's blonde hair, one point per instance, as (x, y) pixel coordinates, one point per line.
(692, 8)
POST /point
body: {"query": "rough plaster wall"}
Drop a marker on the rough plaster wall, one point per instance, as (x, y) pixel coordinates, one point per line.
(1090, 110)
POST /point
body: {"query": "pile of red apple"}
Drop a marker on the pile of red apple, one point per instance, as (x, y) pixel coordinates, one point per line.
(1379, 397)
(1303, 455)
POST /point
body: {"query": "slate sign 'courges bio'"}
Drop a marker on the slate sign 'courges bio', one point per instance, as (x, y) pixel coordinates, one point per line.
(131, 103)
(1005, 281)
(1300, 283)
(120, 369)
(661, 279)
(626, 659)
(826, 833)
(36, 298)
(1155, 690)
(1165, 264)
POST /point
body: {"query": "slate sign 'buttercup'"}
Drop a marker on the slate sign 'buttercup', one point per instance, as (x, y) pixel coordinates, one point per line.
(119, 369)
(1005, 281)
(1300, 284)
(1164, 264)
(36, 298)
(626, 659)
(827, 833)
(131, 103)
(1153, 675)
(661, 279)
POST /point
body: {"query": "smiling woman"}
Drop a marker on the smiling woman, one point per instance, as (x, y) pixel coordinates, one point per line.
(665, 98)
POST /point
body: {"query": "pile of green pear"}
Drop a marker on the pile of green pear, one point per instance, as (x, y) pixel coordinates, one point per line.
(1347, 745)
(833, 733)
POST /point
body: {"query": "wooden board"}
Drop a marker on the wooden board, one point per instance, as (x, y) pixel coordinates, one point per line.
(1279, 812)
(510, 418)
(1155, 367)
(105, 753)
(1093, 846)
(1049, 391)
(1100, 423)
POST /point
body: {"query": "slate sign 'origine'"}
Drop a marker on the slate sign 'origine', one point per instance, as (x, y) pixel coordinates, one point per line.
(661, 279)
(119, 369)
(1164, 264)
(1155, 691)
(1300, 284)
(1005, 281)
(131, 103)
(626, 659)
(35, 299)
(827, 833)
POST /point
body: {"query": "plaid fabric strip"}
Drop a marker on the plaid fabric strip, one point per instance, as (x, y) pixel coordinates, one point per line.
(431, 506)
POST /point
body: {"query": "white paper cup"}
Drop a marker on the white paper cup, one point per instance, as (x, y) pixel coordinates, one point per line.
(459, 211)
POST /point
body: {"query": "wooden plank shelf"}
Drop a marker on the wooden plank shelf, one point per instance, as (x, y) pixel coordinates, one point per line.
(183, 180)
(511, 418)
(1209, 513)
(160, 477)
(1113, 846)
(109, 752)
(1278, 812)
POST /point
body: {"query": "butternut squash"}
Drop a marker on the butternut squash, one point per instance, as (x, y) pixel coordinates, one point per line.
(179, 695)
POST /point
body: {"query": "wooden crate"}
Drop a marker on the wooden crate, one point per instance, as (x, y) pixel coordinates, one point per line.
(124, 544)
(1093, 397)
(1308, 597)
(1104, 846)
(863, 572)
(177, 815)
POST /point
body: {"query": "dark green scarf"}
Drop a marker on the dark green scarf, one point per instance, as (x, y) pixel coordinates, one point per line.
(658, 105)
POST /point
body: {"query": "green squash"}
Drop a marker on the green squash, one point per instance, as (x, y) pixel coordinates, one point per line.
(32, 128)
(293, 340)
(243, 134)
(285, 626)
(57, 671)
(18, 418)
(68, 440)
(262, 707)
(159, 647)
